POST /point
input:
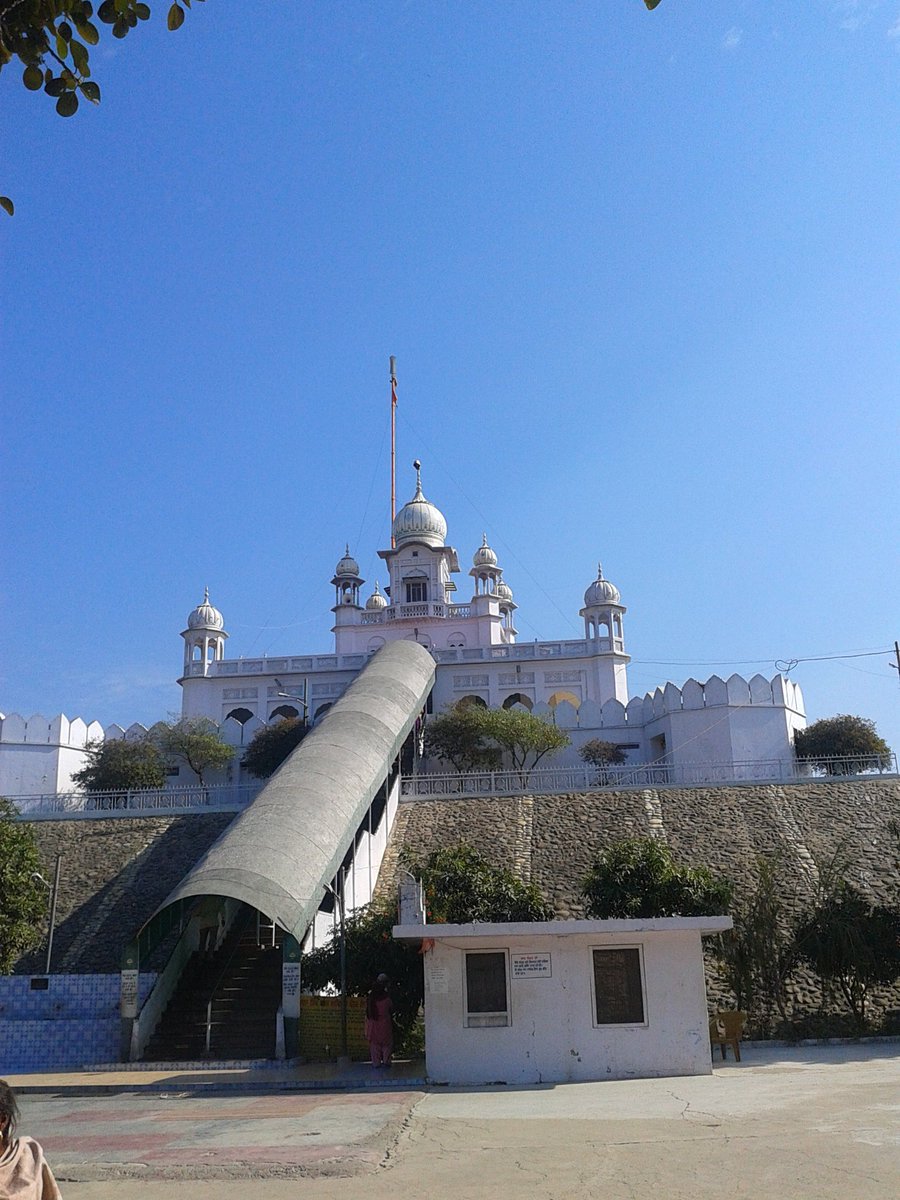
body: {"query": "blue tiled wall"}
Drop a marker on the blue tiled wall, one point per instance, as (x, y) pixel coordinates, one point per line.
(75, 1021)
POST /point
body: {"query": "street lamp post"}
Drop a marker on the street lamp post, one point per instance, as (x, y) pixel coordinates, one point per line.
(53, 888)
(301, 700)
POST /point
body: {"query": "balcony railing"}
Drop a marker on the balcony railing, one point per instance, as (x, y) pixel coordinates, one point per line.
(550, 780)
(137, 801)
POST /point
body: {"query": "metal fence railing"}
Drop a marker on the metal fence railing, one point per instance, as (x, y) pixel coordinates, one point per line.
(137, 801)
(654, 774)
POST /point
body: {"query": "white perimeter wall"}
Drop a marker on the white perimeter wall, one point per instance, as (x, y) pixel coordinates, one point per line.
(551, 1037)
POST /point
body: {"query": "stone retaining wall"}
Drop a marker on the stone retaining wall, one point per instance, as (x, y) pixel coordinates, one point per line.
(554, 839)
(115, 874)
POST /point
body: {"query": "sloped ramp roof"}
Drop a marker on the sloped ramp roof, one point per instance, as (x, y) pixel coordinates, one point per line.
(278, 855)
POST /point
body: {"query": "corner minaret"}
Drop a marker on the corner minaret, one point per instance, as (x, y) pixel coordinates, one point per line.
(204, 638)
(605, 636)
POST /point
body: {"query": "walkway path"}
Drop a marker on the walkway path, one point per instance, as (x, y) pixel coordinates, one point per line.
(799, 1124)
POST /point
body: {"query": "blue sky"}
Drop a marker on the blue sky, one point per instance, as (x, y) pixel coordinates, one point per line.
(640, 273)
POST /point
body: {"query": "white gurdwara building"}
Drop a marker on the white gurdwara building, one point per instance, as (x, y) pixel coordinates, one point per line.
(581, 684)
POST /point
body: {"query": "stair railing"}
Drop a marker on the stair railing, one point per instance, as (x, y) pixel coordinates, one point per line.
(240, 928)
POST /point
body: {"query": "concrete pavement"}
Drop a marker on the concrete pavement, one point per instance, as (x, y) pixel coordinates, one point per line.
(786, 1124)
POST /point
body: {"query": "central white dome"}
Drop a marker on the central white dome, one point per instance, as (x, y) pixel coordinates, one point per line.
(419, 520)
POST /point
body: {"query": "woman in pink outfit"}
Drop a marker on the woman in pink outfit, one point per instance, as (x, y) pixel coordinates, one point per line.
(24, 1174)
(379, 1026)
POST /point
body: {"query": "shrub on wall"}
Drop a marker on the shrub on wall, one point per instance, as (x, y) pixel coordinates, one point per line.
(842, 745)
(640, 878)
(271, 745)
(116, 763)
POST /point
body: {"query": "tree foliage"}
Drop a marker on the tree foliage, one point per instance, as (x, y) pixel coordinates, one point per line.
(641, 878)
(371, 950)
(271, 745)
(758, 956)
(116, 763)
(23, 900)
(51, 39)
(196, 742)
(851, 943)
(476, 738)
(842, 738)
(462, 886)
(457, 736)
(599, 753)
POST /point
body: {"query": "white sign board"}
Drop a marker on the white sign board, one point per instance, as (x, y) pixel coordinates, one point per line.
(128, 993)
(531, 966)
(437, 978)
(290, 988)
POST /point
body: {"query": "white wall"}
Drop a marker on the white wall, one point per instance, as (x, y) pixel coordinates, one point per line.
(551, 1037)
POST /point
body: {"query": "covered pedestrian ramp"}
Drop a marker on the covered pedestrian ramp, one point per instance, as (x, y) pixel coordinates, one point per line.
(316, 831)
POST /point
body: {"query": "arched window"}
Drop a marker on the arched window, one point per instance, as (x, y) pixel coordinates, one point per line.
(241, 715)
(375, 643)
(467, 701)
(617, 625)
(558, 697)
(519, 699)
(197, 654)
(456, 640)
(322, 710)
(211, 652)
(284, 710)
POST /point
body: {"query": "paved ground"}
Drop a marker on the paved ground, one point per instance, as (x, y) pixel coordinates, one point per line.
(810, 1124)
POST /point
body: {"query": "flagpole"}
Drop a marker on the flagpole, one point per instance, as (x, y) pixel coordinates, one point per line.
(393, 445)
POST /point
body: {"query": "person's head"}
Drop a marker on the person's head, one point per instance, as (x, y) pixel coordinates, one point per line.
(9, 1110)
(382, 979)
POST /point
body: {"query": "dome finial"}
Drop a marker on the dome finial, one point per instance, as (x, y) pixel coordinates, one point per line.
(599, 570)
(418, 520)
(205, 615)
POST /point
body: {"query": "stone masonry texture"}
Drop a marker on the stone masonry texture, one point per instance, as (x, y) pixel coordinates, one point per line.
(115, 874)
(724, 828)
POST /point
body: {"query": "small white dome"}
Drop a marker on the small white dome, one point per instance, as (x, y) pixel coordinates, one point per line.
(601, 591)
(205, 616)
(348, 565)
(419, 521)
(504, 591)
(484, 556)
(376, 601)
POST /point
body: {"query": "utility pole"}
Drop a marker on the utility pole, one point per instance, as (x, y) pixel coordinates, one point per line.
(896, 665)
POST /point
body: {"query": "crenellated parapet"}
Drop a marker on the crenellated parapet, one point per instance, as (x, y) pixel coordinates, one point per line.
(38, 730)
(733, 692)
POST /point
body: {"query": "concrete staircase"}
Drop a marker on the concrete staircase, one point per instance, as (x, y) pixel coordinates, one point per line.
(243, 980)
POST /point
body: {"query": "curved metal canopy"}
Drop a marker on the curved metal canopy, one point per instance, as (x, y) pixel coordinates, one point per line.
(279, 854)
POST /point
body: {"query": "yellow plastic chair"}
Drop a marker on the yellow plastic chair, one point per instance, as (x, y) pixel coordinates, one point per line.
(725, 1029)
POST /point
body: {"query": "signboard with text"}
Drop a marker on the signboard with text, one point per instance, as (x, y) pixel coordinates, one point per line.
(530, 966)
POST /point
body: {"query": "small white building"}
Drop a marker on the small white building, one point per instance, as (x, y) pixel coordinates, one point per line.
(565, 1001)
